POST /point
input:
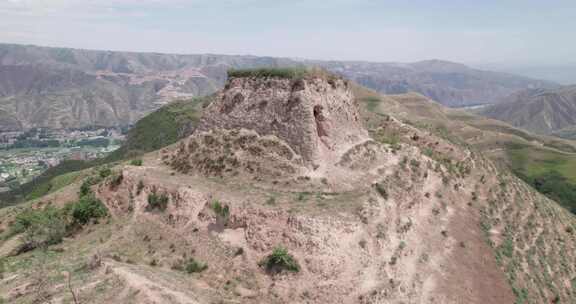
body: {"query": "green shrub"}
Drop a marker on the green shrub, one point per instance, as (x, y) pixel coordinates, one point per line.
(280, 260)
(193, 266)
(23, 220)
(136, 162)
(105, 172)
(41, 227)
(85, 188)
(86, 209)
(221, 210)
(48, 226)
(157, 202)
(371, 102)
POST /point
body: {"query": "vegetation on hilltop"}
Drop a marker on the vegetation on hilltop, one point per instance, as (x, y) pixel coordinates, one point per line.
(280, 260)
(161, 128)
(288, 72)
(298, 72)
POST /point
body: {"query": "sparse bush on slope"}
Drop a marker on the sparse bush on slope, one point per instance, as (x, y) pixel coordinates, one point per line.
(220, 209)
(280, 260)
(193, 266)
(86, 209)
(157, 201)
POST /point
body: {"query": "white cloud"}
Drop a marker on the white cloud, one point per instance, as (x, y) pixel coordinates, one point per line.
(85, 8)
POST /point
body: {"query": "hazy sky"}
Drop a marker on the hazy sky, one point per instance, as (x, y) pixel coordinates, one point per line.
(471, 31)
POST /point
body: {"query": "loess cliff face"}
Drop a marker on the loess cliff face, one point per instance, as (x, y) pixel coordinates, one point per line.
(281, 129)
(314, 115)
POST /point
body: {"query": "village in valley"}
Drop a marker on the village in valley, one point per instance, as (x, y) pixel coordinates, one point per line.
(26, 154)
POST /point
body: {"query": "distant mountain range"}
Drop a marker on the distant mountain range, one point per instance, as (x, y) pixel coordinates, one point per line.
(543, 111)
(564, 74)
(72, 88)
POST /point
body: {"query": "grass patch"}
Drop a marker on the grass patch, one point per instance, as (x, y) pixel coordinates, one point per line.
(161, 128)
(136, 162)
(371, 102)
(192, 266)
(550, 172)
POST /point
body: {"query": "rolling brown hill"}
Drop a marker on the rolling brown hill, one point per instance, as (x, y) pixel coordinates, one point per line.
(540, 111)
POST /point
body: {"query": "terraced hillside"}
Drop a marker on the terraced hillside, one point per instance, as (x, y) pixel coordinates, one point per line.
(544, 162)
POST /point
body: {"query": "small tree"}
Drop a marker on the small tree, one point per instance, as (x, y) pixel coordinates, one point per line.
(41, 227)
(87, 208)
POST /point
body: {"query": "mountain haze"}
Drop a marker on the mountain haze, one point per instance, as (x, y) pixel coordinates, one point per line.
(72, 88)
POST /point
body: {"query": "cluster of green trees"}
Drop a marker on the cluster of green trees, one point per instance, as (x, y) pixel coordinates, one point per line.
(33, 143)
(49, 225)
(556, 187)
